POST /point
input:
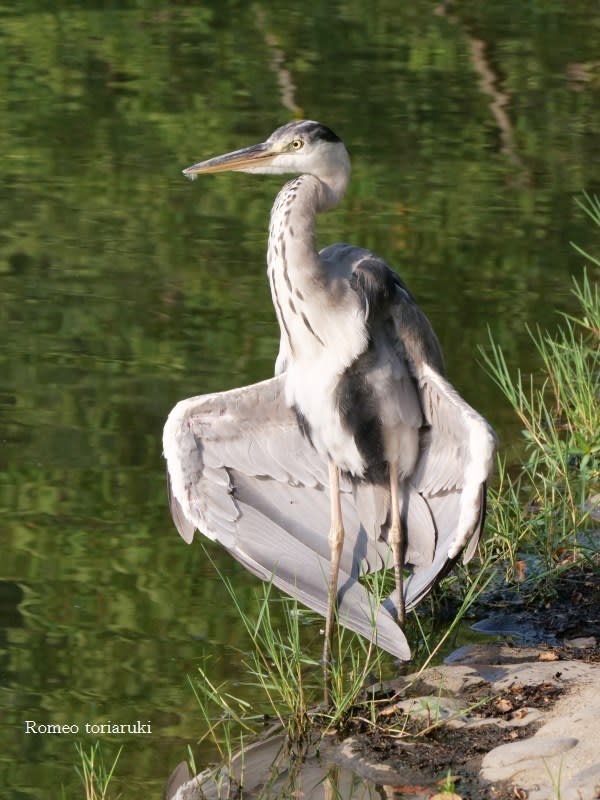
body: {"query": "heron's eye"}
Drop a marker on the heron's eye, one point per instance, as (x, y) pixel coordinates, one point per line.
(297, 144)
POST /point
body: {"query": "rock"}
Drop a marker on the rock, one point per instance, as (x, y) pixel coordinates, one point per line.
(575, 719)
(507, 761)
(473, 654)
(517, 624)
(584, 784)
(592, 506)
(446, 679)
(180, 776)
(581, 643)
(430, 708)
(348, 755)
(535, 672)
(446, 796)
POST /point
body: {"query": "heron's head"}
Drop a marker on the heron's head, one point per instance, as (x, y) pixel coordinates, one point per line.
(303, 147)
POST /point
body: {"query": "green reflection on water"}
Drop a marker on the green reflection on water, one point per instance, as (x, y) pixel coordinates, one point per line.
(124, 288)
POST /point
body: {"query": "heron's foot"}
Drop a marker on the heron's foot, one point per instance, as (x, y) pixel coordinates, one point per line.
(396, 542)
(330, 620)
(336, 543)
(395, 539)
(401, 604)
(327, 669)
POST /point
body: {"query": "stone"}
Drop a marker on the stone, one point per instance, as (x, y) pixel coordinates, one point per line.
(585, 784)
(581, 643)
(508, 760)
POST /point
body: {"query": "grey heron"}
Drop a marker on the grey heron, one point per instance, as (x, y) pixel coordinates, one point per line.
(358, 453)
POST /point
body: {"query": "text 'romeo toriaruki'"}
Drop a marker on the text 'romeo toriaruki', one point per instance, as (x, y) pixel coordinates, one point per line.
(108, 727)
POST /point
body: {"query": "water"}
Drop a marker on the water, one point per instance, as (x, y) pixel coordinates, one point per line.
(124, 288)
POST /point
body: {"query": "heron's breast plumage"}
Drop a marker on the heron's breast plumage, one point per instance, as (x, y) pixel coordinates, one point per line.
(314, 371)
(349, 386)
(356, 398)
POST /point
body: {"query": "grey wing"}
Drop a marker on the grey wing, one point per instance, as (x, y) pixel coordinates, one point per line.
(456, 452)
(242, 473)
(443, 500)
(455, 462)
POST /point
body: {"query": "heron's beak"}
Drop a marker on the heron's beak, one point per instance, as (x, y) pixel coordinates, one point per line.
(255, 156)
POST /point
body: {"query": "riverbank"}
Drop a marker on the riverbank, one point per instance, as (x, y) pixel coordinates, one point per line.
(497, 721)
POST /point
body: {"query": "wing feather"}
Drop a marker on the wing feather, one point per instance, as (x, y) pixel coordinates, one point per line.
(464, 443)
(456, 453)
(241, 471)
(309, 585)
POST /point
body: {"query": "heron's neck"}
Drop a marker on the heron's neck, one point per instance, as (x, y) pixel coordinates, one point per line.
(295, 269)
(292, 253)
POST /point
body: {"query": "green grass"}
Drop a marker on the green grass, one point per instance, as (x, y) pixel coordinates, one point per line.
(542, 507)
(95, 776)
(289, 679)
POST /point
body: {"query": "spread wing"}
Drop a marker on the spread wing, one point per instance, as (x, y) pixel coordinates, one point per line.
(457, 447)
(242, 473)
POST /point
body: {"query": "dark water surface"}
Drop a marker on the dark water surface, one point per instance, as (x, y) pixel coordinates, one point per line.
(124, 288)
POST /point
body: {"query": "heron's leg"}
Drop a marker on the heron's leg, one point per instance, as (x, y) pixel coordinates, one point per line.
(396, 540)
(336, 542)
